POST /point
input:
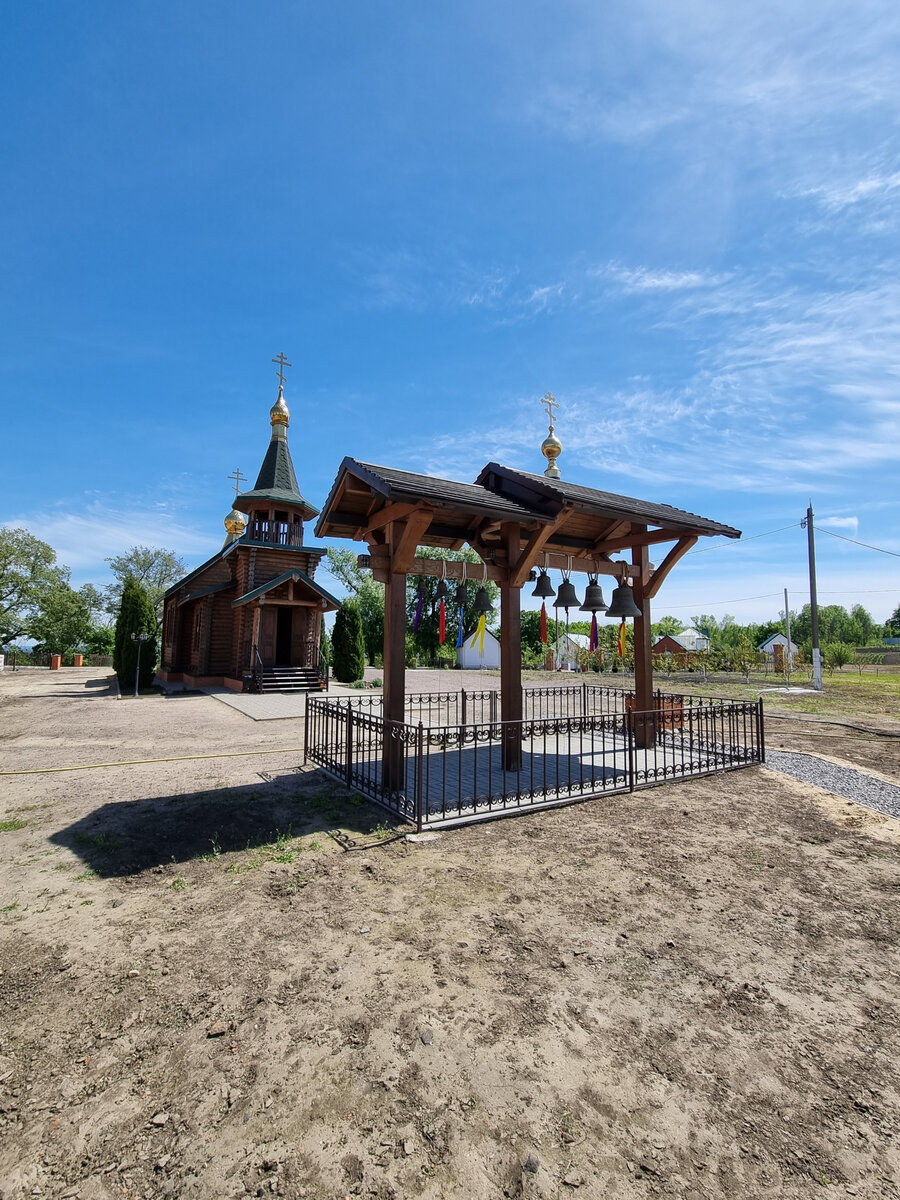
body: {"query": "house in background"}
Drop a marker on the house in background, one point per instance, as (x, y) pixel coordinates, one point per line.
(568, 650)
(470, 658)
(776, 647)
(689, 641)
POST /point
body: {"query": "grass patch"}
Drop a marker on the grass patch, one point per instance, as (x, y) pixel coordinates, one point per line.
(178, 884)
(85, 875)
(12, 826)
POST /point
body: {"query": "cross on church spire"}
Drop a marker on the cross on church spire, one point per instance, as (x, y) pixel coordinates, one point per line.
(550, 405)
(237, 476)
(281, 362)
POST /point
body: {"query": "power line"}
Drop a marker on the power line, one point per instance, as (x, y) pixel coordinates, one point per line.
(866, 545)
(741, 541)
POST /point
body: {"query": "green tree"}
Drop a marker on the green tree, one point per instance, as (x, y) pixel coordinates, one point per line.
(531, 633)
(100, 639)
(63, 620)
(348, 646)
(136, 616)
(27, 570)
(838, 654)
(892, 624)
(154, 569)
(367, 593)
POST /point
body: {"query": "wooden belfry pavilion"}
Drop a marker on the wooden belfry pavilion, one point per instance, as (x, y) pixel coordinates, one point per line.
(516, 521)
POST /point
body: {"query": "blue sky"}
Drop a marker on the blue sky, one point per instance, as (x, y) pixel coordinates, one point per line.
(681, 219)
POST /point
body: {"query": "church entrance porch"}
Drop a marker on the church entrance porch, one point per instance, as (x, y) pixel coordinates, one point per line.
(283, 626)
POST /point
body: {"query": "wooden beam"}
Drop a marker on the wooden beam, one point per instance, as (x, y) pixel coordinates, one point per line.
(405, 539)
(394, 694)
(535, 544)
(496, 573)
(391, 512)
(627, 541)
(675, 555)
(645, 724)
(511, 653)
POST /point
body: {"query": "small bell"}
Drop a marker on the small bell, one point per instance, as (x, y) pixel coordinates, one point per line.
(566, 597)
(443, 591)
(482, 601)
(622, 604)
(593, 597)
(543, 589)
(462, 594)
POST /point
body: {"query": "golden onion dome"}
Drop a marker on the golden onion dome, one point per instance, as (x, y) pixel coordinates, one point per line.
(235, 523)
(279, 414)
(551, 448)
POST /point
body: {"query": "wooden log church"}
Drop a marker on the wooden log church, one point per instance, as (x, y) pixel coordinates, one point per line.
(250, 618)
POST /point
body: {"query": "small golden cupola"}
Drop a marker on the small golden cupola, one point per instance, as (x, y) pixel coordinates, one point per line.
(235, 522)
(551, 446)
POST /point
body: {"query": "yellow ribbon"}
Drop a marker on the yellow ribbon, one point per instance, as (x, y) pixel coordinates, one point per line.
(479, 636)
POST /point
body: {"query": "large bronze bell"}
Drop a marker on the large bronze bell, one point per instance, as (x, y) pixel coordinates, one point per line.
(543, 588)
(566, 597)
(482, 601)
(623, 604)
(593, 597)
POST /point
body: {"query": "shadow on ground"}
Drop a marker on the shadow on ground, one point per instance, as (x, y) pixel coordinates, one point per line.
(131, 836)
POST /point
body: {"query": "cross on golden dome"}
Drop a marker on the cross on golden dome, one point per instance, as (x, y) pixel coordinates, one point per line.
(238, 477)
(281, 362)
(550, 405)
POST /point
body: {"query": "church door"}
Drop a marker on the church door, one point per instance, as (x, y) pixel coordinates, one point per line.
(283, 627)
(268, 616)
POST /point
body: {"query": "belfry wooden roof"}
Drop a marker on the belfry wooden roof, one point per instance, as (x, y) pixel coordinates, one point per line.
(562, 517)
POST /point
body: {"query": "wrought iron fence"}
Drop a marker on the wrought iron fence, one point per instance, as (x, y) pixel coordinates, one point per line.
(436, 774)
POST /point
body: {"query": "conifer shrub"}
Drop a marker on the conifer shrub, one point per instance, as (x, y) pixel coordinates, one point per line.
(348, 646)
(136, 615)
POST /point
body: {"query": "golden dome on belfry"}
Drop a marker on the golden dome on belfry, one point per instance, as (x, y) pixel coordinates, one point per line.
(279, 413)
(235, 523)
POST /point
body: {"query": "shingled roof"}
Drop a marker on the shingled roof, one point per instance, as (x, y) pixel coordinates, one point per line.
(277, 480)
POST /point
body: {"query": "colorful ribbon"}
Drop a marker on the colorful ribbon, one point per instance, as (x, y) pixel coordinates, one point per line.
(595, 637)
(479, 635)
(418, 617)
(622, 639)
(442, 624)
(544, 623)
(459, 640)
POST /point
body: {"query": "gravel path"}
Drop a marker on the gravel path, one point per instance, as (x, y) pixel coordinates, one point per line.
(842, 781)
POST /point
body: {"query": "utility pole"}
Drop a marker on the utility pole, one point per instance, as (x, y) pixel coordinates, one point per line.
(787, 622)
(813, 602)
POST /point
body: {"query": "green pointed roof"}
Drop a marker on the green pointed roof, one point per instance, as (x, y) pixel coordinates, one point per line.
(277, 480)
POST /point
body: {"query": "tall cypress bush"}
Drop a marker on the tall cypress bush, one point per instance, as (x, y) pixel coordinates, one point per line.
(348, 646)
(136, 615)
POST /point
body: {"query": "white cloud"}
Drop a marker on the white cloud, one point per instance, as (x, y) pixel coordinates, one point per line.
(646, 279)
(83, 536)
(851, 523)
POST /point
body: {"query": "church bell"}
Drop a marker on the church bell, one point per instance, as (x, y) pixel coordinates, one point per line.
(566, 597)
(623, 604)
(543, 588)
(593, 597)
(482, 601)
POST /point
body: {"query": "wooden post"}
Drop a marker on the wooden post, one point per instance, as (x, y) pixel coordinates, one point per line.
(511, 654)
(644, 727)
(394, 678)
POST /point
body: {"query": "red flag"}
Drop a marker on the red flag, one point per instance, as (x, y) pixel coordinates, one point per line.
(622, 639)
(544, 623)
(443, 625)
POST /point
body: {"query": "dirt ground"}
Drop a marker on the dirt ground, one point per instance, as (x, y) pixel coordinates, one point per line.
(691, 991)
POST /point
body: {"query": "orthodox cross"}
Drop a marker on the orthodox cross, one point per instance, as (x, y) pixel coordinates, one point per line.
(282, 362)
(236, 473)
(550, 404)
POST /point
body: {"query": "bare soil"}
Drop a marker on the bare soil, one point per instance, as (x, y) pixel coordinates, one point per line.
(691, 991)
